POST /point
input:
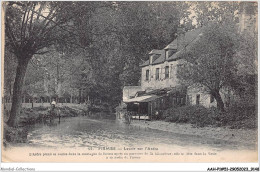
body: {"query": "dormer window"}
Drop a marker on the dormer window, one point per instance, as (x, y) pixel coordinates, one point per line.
(169, 52)
(153, 55)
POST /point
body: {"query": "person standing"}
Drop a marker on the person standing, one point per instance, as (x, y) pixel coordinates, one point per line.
(52, 111)
(53, 103)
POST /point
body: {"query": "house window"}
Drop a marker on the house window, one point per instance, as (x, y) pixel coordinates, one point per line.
(182, 101)
(189, 100)
(174, 102)
(197, 99)
(147, 75)
(157, 74)
(211, 99)
(166, 72)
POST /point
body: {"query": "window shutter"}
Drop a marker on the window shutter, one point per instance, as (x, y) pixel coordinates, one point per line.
(163, 73)
(172, 72)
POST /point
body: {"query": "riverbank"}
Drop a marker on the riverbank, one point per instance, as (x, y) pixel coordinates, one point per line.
(40, 114)
(31, 116)
(78, 134)
(248, 136)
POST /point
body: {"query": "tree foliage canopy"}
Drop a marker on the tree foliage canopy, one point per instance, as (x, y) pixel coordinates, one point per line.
(98, 46)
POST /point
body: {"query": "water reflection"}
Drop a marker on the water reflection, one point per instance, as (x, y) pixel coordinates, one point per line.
(83, 132)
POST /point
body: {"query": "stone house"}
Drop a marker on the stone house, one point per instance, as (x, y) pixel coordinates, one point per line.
(160, 87)
(160, 71)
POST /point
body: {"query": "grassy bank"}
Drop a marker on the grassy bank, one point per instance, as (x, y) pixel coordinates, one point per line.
(237, 123)
(31, 116)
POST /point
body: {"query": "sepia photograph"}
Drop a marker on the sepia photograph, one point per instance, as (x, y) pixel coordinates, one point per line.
(129, 81)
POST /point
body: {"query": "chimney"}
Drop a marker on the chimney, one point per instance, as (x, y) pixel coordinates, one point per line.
(180, 38)
(151, 59)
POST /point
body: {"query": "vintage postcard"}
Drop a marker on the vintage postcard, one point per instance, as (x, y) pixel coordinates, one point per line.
(123, 81)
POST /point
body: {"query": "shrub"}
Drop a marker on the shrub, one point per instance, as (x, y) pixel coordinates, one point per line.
(197, 115)
(68, 112)
(241, 116)
(236, 116)
(40, 108)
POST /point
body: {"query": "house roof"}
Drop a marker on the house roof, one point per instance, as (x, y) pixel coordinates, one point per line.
(172, 45)
(189, 37)
(157, 58)
(140, 93)
(175, 56)
(161, 59)
(146, 98)
(149, 96)
(132, 87)
(154, 51)
(159, 91)
(146, 63)
(153, 97)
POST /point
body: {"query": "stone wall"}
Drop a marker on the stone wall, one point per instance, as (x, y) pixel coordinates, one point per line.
(205, 97)
(162, 82)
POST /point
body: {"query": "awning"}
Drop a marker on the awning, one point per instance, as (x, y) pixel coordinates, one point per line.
(180, 90)
(141, 99)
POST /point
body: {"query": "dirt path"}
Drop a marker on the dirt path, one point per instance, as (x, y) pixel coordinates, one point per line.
(239, 135)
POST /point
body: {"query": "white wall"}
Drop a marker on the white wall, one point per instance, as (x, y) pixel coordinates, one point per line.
(205, 97)
(129, 91)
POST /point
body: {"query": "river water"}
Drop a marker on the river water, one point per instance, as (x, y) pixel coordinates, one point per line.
(79, 132)
(97, 140)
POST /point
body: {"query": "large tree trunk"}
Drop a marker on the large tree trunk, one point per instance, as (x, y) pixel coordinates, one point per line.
(17, 91)
(10, 92)
(220, 104)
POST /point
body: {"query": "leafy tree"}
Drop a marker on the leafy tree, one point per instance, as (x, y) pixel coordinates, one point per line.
(34, 81)
(245, 83)
(91, 46)
(30, 27)
(209, 61)
(206, 12)
(145, 26)
(120, 37)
